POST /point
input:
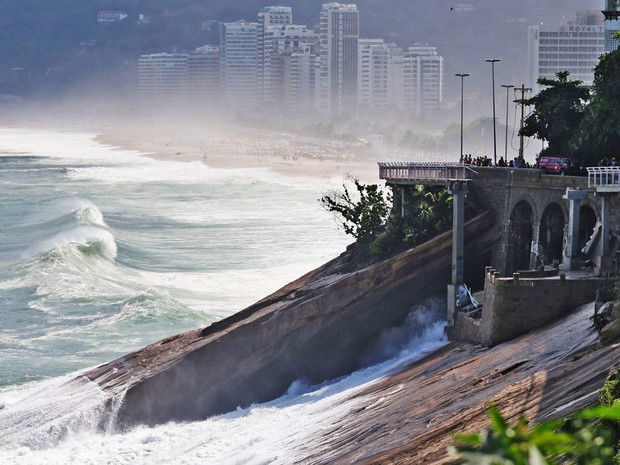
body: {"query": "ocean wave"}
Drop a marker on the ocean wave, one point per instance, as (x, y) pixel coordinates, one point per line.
(63, 211)
(87, 240)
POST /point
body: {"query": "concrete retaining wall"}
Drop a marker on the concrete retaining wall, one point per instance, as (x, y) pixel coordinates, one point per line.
(515, 306)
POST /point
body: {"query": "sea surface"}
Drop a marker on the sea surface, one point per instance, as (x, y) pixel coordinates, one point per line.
(104, 250)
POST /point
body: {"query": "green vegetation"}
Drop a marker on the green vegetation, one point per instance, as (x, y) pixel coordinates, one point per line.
(590, 437)
(558, 111)
(364, 214)
(360, 213)
(428, 212)
(599, 134)
(578, 123)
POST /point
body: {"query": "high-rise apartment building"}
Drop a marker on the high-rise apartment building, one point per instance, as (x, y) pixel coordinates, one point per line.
(270, 18)
(203, 67)
(239, 64)
(612, 24)
(574, 46)
(287, 42)
(338, 59)
(410, 80)
(422, 79)
(373, 74)
(180, 78)
(163, 77)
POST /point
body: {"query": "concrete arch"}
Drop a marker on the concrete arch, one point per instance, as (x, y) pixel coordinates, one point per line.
(559, 202)
(525, 196)
(551, 235)
(520, 235)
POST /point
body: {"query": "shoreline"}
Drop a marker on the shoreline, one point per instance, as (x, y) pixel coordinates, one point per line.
(286, 154)
(218, 144)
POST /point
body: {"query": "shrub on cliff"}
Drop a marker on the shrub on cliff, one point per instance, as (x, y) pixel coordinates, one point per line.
(427, 213)
(360, 212)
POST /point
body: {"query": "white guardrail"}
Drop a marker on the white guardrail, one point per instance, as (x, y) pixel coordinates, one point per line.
(604, 177)
(422, 171)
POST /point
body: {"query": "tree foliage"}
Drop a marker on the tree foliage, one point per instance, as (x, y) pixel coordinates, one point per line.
(427, 212)
(557, 115)
(599, 133)
(360, 212)
(581, 440)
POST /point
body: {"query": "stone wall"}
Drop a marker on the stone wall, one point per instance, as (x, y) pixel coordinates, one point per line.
(515, 306)
(502, 189)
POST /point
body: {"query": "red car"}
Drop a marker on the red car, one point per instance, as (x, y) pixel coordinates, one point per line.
(553, 165)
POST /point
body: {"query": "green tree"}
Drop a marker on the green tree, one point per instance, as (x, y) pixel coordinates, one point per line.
(360, 213)
(427, 213)
(599, 132)
(558, 111)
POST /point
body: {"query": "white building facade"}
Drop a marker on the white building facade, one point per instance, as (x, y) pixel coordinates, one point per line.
(163, 77)
(269, 19)
(373, 74)
(203, 67)
(423, 76)
(337, 86)
(574, 46)
(239, 64)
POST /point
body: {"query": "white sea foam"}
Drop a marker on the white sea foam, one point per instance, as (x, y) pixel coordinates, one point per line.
(93, 241)
(278, 432)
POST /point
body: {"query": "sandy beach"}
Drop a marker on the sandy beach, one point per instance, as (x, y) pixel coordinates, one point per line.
(229, 148)
(216, 143)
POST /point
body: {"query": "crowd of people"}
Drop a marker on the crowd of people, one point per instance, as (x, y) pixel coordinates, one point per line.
(486, 161)
(608, 162)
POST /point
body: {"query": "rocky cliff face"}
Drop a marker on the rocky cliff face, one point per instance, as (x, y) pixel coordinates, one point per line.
(411, 417)
(313, 329)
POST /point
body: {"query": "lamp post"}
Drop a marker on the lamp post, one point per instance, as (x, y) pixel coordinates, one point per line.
(462, 76)
(507, 87)
(493, 61)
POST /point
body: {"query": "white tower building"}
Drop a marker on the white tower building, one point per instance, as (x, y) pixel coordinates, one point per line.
(338, 59)
(422, 80)
(373, 73)
(574, 46)
(271, 17)
(163, 77)
(239, 64)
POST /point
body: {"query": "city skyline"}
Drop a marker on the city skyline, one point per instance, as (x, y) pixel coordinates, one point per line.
(291, 68)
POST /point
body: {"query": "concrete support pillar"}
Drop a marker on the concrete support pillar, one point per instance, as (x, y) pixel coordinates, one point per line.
(397, 201)
(605, 222)
(534, 244)
(571, 250)
(458, 189)
(604, 263)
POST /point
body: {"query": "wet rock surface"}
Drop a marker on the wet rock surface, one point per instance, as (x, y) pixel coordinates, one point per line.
(546, 374)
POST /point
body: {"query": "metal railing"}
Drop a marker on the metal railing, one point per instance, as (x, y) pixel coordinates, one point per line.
(422, 171)
(604, 177)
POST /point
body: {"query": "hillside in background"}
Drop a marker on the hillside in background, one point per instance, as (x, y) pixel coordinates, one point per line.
(50, 47)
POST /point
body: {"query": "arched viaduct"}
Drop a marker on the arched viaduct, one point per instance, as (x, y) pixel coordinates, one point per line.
(540, 219)
(533, 217)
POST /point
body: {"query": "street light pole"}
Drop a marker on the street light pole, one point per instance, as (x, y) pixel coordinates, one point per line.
(507, 87)
(493, 61)
(462, 76)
